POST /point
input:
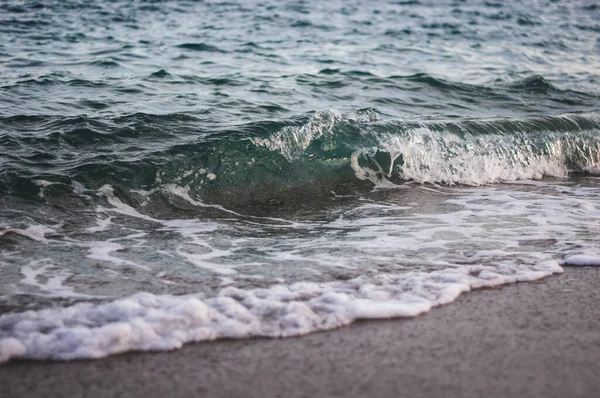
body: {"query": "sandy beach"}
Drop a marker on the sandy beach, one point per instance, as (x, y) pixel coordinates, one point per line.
(537, 339)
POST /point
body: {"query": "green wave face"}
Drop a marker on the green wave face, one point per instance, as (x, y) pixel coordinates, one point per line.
(323, 151)
(333, 149)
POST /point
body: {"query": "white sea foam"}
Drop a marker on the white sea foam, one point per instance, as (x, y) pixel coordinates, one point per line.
(292, 141)
(433, 157)
(583, 260)
(426, 154)
(184, 193)
(107, 191)
(102, 225)
(159, 322)
(48, 278)
(401, 260)
(42, 184)
(102, 251)
(387, 234)
(34, 232)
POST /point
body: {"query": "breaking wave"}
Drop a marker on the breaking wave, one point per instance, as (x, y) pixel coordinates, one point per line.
(320, 151)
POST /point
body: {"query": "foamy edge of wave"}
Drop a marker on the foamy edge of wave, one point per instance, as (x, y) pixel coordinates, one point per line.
(148, 322)
(583, 260)
(451, 153)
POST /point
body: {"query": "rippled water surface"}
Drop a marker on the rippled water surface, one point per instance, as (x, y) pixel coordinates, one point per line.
(184, 171)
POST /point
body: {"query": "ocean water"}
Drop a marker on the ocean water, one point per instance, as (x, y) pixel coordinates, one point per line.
(184, 171)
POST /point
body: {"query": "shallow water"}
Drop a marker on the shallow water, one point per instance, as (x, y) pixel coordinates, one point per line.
(198, 170)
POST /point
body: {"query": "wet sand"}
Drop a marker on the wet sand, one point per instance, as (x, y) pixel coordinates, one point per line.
(538, 339)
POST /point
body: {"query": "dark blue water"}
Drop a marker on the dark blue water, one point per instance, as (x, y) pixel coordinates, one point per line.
(233, 62)
(383, 155)
(92, 90)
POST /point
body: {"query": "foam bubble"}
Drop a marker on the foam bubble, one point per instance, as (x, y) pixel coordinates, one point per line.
(146, 321)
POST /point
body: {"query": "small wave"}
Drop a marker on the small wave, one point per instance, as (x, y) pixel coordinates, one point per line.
(442, 85)
(534, 84)
(201, 47)
(161, 73)
(303, 23)
(105, 63)
(469, 152)
(319, 151)
(54, 79)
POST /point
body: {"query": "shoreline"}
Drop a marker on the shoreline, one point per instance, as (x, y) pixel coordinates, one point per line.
(529, 339)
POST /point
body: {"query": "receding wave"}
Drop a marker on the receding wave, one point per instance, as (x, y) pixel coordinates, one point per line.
(148, 322)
